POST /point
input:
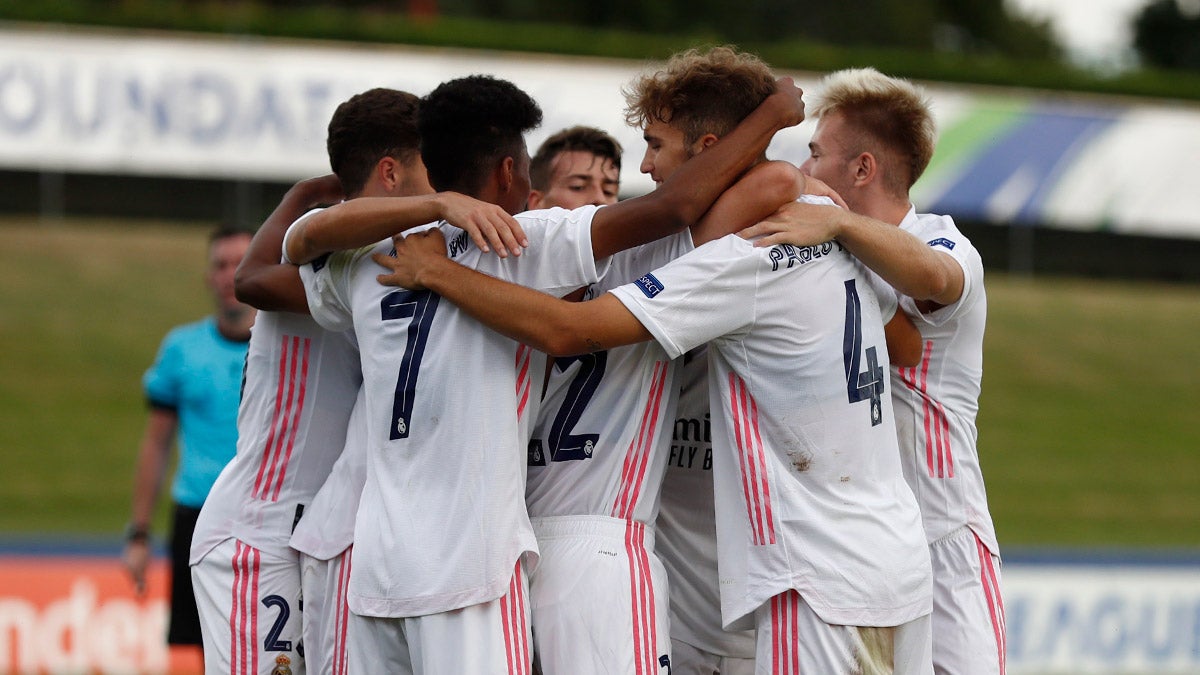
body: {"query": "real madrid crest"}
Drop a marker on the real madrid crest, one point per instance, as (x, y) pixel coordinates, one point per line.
(283, 665)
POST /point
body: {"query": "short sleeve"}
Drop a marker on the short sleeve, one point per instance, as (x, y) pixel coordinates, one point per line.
(703, 295)
(942, 235)
(326, 286)
(162, 382)
(292, 228)
(628, 265)
(972, 266)
(559, 258)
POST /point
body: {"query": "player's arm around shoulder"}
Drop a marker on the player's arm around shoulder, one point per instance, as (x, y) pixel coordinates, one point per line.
(961, 260)
(691, 190)
(262, 280)
(546, 323)
(911, 267)
(922, 272)
(363, 221)
(759, 193)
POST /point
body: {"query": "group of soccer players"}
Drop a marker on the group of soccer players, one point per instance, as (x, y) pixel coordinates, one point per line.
(713, 471)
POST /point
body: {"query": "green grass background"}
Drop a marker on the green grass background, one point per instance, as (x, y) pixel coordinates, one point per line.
(1089, 431)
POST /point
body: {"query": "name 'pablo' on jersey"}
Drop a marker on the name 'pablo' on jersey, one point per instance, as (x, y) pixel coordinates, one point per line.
(800, 255)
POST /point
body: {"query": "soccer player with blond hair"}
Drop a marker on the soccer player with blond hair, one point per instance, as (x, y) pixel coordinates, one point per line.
(819, 538)
(875, 135)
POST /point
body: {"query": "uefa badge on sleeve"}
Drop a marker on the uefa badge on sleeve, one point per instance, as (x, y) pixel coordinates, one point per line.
(649, 285)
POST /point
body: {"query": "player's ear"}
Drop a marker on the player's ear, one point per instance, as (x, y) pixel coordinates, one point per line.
(505, 173)
(866, 168)
(389, 173)
(703, 143)
(536, 199)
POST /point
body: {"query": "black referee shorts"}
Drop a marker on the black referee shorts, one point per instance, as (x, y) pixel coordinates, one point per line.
(185, 620)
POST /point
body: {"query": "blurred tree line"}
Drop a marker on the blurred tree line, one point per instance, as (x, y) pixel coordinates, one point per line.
(977, 41)
(1166, 33)
(983, 27)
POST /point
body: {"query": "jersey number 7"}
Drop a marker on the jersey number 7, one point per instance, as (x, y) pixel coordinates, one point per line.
(420, 306)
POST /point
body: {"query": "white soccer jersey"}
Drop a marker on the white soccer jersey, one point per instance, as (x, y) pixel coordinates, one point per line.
(936, 402)
(442, 520)
(808, 486)
(327, 528)
(687, 527)
(597, 444)
(300, 382)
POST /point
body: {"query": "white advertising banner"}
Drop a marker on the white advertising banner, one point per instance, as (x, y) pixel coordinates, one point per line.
(1070, 619)
(256, 109)
(253, 109)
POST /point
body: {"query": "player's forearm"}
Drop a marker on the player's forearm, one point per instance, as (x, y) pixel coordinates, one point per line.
(275, 288)
(755, 196)
(151, 467)
(262, 281)
(523, 314)
(689, 192)
(359, 222)
(901, 259)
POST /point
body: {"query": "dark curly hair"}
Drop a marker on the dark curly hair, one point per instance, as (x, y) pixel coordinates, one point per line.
(366, 128)
(469, 124)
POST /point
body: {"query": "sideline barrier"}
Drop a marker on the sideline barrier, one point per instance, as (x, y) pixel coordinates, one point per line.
(68, 614)
(1076, 614)
(1066, 615)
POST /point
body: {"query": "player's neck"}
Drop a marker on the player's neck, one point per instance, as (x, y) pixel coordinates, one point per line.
(234, 323)
(885, 208)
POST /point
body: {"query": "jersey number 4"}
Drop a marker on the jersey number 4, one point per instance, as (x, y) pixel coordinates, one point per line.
(865, 385)
(564, 445)
(420, 306)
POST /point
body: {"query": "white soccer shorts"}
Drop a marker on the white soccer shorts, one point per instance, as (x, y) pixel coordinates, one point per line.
(689, 660)
(599, 598)
(968, 611)
(491, 637)
(792, 640)
(326, 614)
(249, 603)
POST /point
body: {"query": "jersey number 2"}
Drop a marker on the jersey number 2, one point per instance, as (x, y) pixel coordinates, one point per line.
(866, 385)
(565, 445)
(420, 306)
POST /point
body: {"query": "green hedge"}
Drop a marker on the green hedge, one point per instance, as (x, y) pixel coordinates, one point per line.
(373, 25)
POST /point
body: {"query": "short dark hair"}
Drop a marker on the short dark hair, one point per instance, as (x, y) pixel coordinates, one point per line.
(225, 231)
(578, 138)
(366, 128)
(469, 124)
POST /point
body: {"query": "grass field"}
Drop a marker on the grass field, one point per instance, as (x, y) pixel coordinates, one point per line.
(1088, 427)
